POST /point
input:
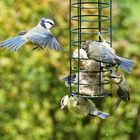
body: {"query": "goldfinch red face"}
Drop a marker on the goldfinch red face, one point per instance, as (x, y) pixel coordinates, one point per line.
(46, 23)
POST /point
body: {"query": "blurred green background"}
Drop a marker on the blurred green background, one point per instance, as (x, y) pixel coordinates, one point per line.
(30, 85)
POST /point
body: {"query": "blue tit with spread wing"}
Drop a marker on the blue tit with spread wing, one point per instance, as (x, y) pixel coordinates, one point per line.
(40, 34)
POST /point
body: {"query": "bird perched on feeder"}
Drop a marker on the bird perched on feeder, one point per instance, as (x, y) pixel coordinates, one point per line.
(39, 34)
(119, 87)
(101, 51)
(81, 106)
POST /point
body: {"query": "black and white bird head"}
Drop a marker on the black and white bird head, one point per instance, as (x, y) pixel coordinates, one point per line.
(46, 23)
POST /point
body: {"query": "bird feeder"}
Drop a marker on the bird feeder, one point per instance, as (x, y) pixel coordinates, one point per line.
(89, 20)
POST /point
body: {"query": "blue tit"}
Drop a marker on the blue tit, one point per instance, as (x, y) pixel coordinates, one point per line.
(69, 79)
(40, 34)
(102, 52)
(81, 106)
(119, 88)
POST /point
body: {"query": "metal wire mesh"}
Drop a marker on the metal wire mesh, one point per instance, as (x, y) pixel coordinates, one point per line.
(87, 19)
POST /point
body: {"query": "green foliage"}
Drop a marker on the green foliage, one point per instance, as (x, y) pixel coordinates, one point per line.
(30, 85)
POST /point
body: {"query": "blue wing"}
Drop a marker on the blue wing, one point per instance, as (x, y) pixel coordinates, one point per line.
(45, 39)
(13, 43)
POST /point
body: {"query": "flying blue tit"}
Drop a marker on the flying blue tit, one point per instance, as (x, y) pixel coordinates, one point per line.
(101, 51)
(119, 88)
(81, 106)
(69, 79)
(40, 34)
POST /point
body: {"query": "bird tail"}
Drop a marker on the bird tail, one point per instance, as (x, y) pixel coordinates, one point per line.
(117, 103)
(13, 43)
(100, 114)
(126, 64)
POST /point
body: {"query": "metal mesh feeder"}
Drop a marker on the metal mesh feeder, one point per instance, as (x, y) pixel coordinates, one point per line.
(88, 18)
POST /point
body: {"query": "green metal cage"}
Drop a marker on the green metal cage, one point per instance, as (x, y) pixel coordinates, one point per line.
(87, 18)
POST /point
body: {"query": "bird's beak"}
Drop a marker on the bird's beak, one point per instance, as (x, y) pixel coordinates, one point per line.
(62, 107)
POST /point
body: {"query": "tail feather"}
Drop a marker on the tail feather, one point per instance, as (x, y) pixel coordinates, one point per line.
(126, 64)
(100, 114)
(14, 43)
(117, 103)
(103, 115)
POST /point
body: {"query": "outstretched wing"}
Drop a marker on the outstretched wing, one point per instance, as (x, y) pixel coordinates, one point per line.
(45, 39)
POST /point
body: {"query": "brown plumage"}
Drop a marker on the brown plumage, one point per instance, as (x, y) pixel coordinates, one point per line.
(119, 87)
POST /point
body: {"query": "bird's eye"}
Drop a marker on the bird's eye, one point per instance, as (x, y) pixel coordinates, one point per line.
(62, 102)
(110, 76)
(113, 77)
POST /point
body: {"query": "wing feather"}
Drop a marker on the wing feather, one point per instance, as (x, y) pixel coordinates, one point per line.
(45, 39)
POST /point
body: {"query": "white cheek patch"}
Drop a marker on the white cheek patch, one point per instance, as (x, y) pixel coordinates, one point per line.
(48, 25)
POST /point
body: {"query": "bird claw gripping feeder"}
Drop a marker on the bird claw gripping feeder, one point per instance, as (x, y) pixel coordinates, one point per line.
(90, 21)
